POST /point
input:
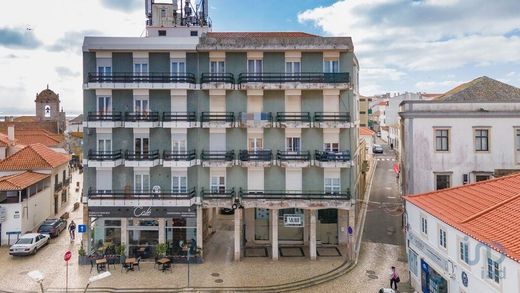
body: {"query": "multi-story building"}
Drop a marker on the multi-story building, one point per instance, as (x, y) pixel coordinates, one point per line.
(185, 122)
(469, 134)
(364, 111)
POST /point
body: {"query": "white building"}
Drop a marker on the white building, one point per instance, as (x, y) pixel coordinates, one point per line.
(465, 239)
(469, 134)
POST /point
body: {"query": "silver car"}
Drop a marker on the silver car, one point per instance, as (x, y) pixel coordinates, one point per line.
(29, 244)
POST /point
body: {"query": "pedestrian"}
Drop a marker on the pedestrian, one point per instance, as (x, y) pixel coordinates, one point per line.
(72, 230)
(391, 146)
(394, 279)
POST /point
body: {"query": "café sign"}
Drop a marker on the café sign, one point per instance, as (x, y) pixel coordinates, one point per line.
(143, 212)
(293, 220)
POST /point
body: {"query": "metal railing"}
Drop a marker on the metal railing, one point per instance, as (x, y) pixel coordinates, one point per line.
(58, 186)
(179, 155)
(104, 116)
(293, 116)
(255, 116)
(152, 77)
(217, 155)
(188, 193)
(259, 155)
(142, 156)
(179, 116)
(328, 156)
(217, 193)
(217, 117)
(296, 194)
(141, 116)
(332, 117)
(307, 77)
(217, 77)
(105, 155)
(293, 156)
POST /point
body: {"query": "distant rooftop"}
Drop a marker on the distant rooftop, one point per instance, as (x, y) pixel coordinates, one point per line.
(35, 156)
(482, 89)
(21, 181)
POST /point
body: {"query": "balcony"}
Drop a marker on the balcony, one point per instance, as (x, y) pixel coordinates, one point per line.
(109, 159)
(293, 119)
(217, 119)
(179, 120)
(58, 186)
(255, 119)
(152, 80)
(327, 159)
(217, 159)
(289, 159)
(332, 120)
(142, 119)
(180, 158)
(218, 197)
(142, 159)
(217, 81)
(259, 158)
(295, 198)
(301, 80)
(103, 120)
(132, 198)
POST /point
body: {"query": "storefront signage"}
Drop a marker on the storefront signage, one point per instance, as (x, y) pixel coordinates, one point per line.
(293, 220)
(428, 251)
(143, 212)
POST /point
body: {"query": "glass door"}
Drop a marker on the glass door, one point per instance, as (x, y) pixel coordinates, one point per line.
(104, 105)
(292, 67)
(217, 67)
(141, 183)
(293, 144)
(256, 144)
(141, 105)
(104, 145)
(141, 147)
(218, 184)
(178, 67)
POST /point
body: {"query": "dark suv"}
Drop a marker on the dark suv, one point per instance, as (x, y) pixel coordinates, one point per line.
(53, 227)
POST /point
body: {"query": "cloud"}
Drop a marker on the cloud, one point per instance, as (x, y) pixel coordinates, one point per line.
(123, 5)
(437, 86)
(66, 72)
(18, 38)
(71, 41)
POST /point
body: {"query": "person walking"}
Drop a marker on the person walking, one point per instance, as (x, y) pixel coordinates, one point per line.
(394, 279)
(72, 230)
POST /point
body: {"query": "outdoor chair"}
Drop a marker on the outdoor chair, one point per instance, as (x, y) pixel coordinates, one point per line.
(137, 263)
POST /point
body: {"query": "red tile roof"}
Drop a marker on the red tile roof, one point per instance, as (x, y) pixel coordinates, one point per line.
(488, 211)
(34, 156)
(261, 35)
(31, 136)
(366, 131)
(21, 180)
(4, 140)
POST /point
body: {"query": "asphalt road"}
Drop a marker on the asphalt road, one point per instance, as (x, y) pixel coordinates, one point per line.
(384, 211)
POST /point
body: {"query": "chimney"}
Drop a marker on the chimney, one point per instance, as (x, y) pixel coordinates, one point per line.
(10, 134)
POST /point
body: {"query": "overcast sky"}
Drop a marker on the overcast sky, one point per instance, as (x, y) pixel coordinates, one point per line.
(402, 45)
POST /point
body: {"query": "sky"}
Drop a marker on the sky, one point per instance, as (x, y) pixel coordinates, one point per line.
(402, 45)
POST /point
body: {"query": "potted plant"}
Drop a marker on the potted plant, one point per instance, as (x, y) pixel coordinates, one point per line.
(82, 255)
(121, 251)
(160, 249)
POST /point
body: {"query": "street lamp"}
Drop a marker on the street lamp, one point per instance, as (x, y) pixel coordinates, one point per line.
(37, 277)
(96, 278)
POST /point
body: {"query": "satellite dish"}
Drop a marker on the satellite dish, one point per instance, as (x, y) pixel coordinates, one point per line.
(156, 190)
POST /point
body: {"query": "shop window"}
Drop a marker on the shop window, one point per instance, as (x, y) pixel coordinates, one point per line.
(412, 262)
(328, 216)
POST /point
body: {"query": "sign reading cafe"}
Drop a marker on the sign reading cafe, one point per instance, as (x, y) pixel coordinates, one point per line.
(143, 212)
(293, 220)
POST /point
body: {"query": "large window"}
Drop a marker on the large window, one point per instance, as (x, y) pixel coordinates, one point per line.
(442, 238)
(481, 140)
(141, 182)
(331, 66)
(442, 181)
(254, 66)
(140, 69)
(178, 67)
(104, 105)
(442, 140)
(493, 270)
(332, 185)
(292, 67)
(217, 67)
(293, 144)
(179, 183)
(464, 251)
(424, 225)
(141, 105)
(218, 184)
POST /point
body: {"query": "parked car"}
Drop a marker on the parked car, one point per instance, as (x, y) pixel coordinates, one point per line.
(227, 211)
(29, 244)
(377, 149)
(52, 227)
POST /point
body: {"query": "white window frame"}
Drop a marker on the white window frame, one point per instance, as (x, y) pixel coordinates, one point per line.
(424, 225)
(179, 63)
(478, 141)
(442, 174)
(142, 177)
(141, 68)
(291, 68)
(463, 251)
(412, 262)
(143, 107)
(179, 182)
(448, 139)
(331, 68)
(331, 147)
(142, 137)
(290, 143)
(218, 183)
(258, 66)
(332, 184)
(179, 145)
(104, 70)
(443, 238)
(217, 67)
(107, 104)
(255, 143)
(104, 140)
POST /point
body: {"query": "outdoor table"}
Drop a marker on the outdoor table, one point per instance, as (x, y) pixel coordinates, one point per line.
(130, 261)
(101, 264)
(163, 261)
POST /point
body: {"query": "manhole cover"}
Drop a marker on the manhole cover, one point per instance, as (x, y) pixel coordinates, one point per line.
(373, 277)
(219, 281)
(371, 272)
(215, 274)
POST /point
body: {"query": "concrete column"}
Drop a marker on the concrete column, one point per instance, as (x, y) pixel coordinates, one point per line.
(85, 238)
(162, 230)
(124, 233)
(273, 214)
(200, 232)
(214, 220)
(312, 240)
(306, 228)
(238, 233)
(351, 238)
(249, 220)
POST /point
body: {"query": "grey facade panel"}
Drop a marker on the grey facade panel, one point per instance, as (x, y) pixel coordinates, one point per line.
(312, 179)
(192, 63)
(89, 102)
(274, 101)
(89, 64)
(312, 62)
(274, 178)
(312, 139)
(122, 62)
(123, 139)
(236, 62)
(236, 139)
(203, 64)
(274, 139)
(198, 101)
(122, 178)
(236, 101)
(123, 100)
(159, 62)
(312, 101)
(160, 176)
(274, 62)
(236, 177)
(89, 141)
(160, 100)
(160, 139)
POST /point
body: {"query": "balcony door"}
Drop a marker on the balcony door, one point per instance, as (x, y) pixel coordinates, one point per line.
(104, 105)
(104, 70)
(293, 67)
(141, 145)
(141, 105)
(217, 67)
(218, 184)
(293, 144)
(140, 69)
(332, 184)
(254, 66)
(332, 147)
(256, 144)
(331, 66)
(179, 182)
(178, 67)
(141, 182)
(104, 143)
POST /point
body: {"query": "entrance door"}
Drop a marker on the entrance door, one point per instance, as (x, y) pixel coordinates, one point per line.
(287, 232)
(327, 227)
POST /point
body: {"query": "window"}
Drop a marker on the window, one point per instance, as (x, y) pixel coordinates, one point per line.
(331, 66)
(442, 143)
(254, 66)
(493, 270)
(104, 105)
(178, 66)
(464, 251)
(217, 67)
(179, 143)
(424, 225)
(104, 70)
(331, 147)
(141, 146)
(162, 33)
(104, 145)
(194, 33)
(140, 69)
(255, 144)
(163, 13)
(292, 67)
(141, 182)
(412, 262)
(442, 181)
(332, 185)
(141, 105)
(218, 184)
(517, 139)
(293, 144)
(482, 177)
(179, 183)
(481, 140)
(442, 238)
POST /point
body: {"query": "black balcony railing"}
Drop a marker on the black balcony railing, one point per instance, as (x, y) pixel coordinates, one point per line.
(260, 155)
(105, 155)
(217, 77)
(327, 156)
(217, 117)
(179, 155)
(307, 77)
(289, 194)
(179, 116)
(142, 156)
(293, 117)
(142, 116)
(217, 192)
(332, 117)
(152, 77)
(104, 116)
(217, 155)
(58, 186)
(255, 116)
(182, 193)
(293, 156)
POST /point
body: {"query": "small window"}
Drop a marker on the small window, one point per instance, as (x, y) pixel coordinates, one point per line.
(493, 270)
(162, 33)
(442, 238)
(482, 177)
(332, 185)
(194, 33)
(442, 143)
(412, 262)
(424, 225)
(442, 181)
(481, 140)
(464, 251)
